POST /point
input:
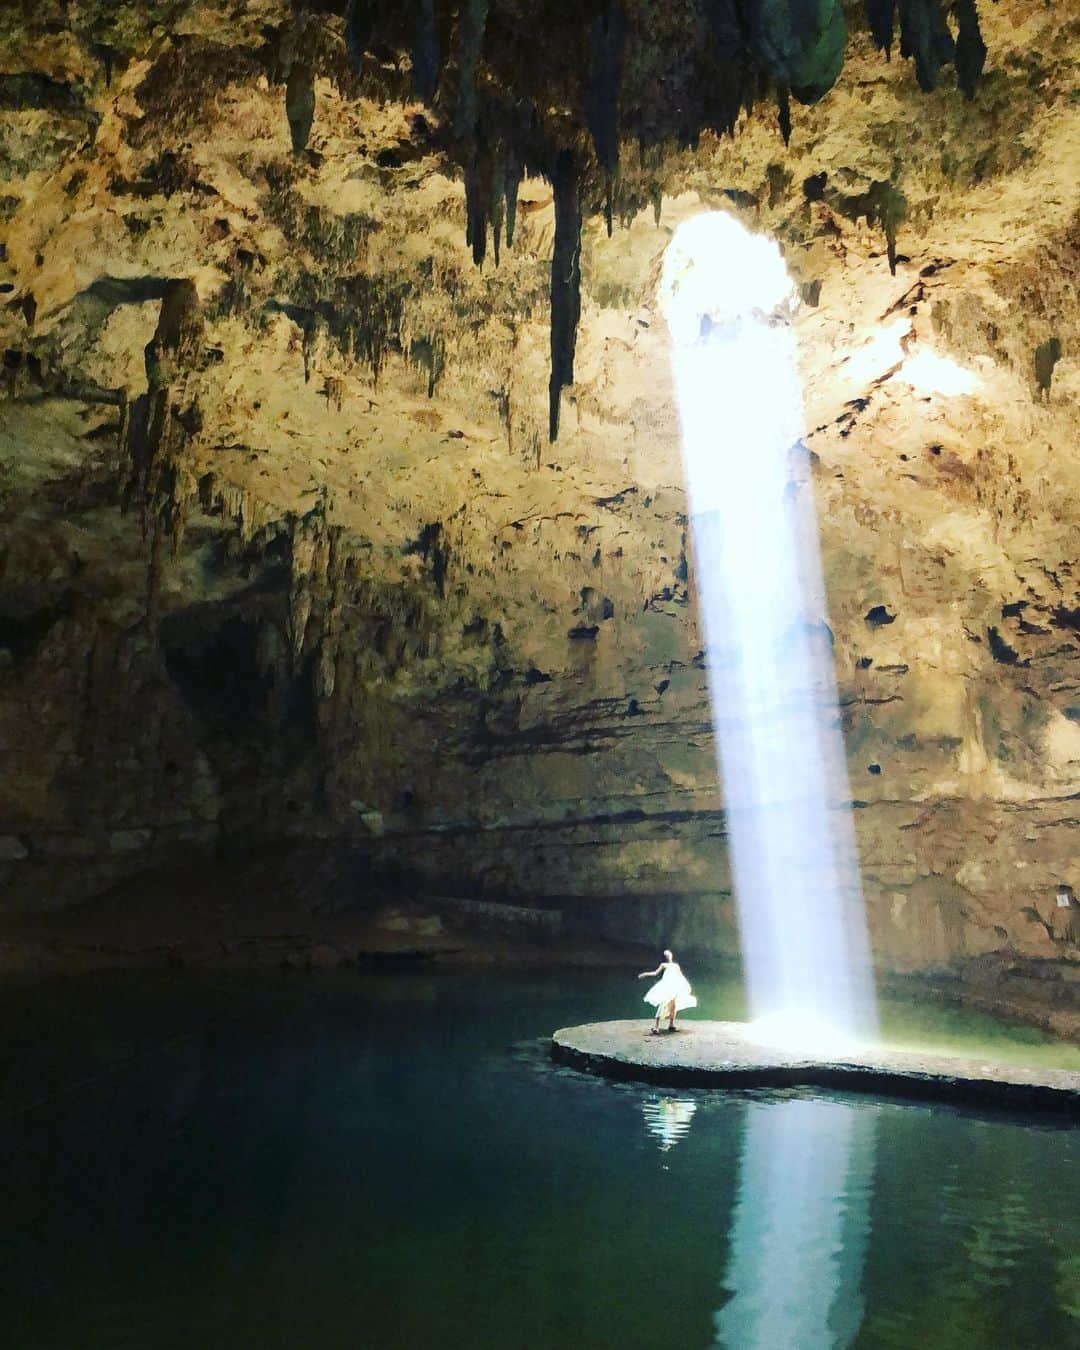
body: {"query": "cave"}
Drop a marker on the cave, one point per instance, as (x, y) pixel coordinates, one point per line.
(370, 711)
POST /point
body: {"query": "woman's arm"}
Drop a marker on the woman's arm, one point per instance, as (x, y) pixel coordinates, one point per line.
(647, 974)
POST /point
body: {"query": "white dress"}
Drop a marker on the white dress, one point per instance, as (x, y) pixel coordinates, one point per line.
(673, 984)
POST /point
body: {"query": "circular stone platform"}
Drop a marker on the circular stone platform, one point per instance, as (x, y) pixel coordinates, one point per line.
(724, 1055)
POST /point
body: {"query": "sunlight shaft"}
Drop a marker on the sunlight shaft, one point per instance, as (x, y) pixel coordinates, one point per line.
(761, 599)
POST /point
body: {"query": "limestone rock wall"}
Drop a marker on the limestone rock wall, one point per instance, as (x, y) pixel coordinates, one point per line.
(285, 551)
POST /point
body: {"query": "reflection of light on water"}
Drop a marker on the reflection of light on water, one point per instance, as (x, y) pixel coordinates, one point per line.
(667, 1119)
(802, 1220)
(761, 595)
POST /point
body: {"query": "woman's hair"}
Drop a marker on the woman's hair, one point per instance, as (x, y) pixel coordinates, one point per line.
(667, 955)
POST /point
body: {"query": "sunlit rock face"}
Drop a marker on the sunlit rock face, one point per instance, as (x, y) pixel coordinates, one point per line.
(287, 552)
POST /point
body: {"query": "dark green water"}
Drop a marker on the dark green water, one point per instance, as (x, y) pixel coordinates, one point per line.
(363, 1161)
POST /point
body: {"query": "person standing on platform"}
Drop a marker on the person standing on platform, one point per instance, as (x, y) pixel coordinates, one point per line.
(670, 994)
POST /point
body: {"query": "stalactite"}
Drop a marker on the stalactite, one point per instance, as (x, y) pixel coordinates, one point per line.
(429, 355)
(970, 47)
(513, 172)
(300, 105)
(468, 131)
(886, 205)
(426, 53)
(359, 26)
(801, 45)
(565, 282)
(433, 546)
(783, 105)
(925, 37)
(881, 20)
(1047, 355)
(179, 334)
(725, 91)
(123, 436)
(160, 424)
(497, 205)
(606, 41)
(313, 343)
(366, 318)
(491, 185)
(472, 23)
(312, 566)
(145, 436)
(477, 202)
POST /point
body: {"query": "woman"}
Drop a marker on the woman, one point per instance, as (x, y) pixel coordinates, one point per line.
(670, 994)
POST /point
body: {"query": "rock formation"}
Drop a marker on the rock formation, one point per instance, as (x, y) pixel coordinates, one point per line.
(289, 553)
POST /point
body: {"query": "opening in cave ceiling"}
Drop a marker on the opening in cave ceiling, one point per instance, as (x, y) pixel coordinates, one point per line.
(559, 90)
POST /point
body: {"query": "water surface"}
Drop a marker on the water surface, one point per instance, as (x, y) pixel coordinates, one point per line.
(355, 1160)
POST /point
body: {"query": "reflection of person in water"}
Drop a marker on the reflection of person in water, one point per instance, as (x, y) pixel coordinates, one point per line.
(670, 994)
(668, 1119)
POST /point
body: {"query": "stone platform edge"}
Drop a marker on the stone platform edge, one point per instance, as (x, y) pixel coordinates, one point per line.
(719, 1055)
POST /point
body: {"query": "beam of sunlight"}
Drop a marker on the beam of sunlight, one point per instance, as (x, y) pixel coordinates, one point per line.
(802, 1221)
(727, 298)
